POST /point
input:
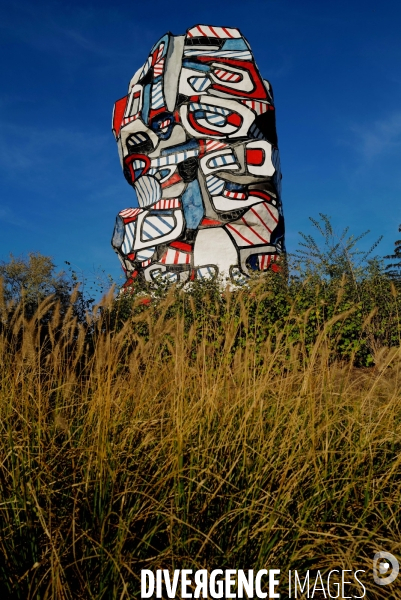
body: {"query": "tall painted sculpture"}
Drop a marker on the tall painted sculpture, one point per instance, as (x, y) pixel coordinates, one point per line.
(196, 137)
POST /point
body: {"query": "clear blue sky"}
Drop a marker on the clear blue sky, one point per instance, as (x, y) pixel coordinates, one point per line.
(335, 70)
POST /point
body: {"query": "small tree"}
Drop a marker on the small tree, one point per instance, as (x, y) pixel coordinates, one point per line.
(393, 269)
(29, 280)
(334, 255)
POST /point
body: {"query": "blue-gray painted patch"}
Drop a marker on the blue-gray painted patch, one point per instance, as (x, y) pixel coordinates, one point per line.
(192, 205)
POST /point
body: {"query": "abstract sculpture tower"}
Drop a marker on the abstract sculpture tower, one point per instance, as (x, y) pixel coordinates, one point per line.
(197, 140)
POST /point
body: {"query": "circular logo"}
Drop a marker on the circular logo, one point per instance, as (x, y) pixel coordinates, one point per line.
(385, 564)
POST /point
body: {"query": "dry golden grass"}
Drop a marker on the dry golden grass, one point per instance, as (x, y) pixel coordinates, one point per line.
(174, 448)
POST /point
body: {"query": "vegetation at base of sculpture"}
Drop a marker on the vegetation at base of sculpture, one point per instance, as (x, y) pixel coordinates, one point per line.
(197, 140)
(204, 428)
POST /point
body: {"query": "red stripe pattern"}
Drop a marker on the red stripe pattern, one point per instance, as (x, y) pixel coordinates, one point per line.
(164, 204)
(216, 32)
(256, 226)
(160, 52)
(214, 145)
(127, 120)
(206, 146)
(235, 195)
(258, 107)
(175, 257)
(265, 260)
(227, 75)
(129, 212)
(158, 68)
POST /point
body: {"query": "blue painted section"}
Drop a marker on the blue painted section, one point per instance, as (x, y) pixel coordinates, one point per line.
(237, 44)
(235, 187)
(191, 145)
(157, 121)
(192, 205)
(196, 66)
(118, 234)
(253, 262)
(146, 102)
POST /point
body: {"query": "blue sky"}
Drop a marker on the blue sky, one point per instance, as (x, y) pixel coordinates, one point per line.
(335, 70)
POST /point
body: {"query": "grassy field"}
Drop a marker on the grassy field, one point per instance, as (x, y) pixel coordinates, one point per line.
(182, 437)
